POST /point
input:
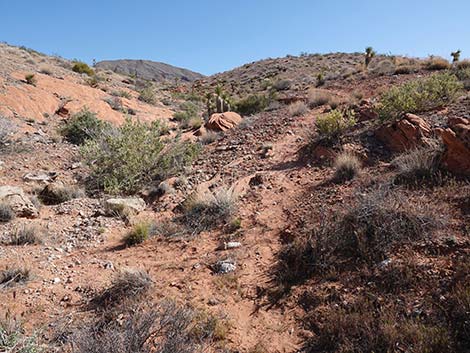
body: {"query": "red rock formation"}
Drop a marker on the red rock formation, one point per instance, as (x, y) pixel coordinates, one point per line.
(456, 138)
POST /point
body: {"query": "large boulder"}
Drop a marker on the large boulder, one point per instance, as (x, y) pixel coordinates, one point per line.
(125, 205)
(456, 138)
(223, 121)
(18, 201)
(407, 133)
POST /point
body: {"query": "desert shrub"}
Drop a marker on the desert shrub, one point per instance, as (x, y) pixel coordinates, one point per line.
(127, 286)
(204, 211)
(462, 65)
(363, 233)
(419, 95)
(147, 95)
(13, 339)
(122, 94)
(140, 233)
(437, 63)
(252, 104)
(383, 67)
(464, 76)
(333, 123)
(282, 85)
(346, 166)
(115, 103)
(55, 194)
(458, 312)
(26, 235)
(6, 213)
(419, 165)
(405, 69)
(11, 276)
(188, 111)
(6, 128)
(126, 159)
(30, 79)
(83, 126)
(297, 109)
(169, 328)
(82, 68)
(365, 326)
(209, 137)
(46, 70)
(318, 98)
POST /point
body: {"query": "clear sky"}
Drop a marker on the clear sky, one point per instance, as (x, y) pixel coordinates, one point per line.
(210, 36)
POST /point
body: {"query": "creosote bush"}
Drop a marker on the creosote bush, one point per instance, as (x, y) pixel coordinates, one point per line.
(188, 115)
(83, 126)
(419, 96)
(125, 159)
(346, 166)
(335, 122)
(82, 68)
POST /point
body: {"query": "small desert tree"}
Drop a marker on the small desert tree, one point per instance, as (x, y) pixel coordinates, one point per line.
(455, 55)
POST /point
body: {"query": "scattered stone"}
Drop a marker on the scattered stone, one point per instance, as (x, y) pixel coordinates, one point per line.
(224, 266)
(122, 205)
(18, 201)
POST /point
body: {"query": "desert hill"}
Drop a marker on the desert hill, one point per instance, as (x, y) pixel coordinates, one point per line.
(326, 211)
(149, 70)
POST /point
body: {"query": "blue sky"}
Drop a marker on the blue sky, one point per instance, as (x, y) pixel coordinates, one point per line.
(210, 36)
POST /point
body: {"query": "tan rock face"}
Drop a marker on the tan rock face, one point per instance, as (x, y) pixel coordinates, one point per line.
(407, 133)
(456, 138)
(18, 201)
(223, 121)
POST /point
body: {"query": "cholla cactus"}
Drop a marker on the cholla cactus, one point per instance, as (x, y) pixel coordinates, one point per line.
(455, 55)
(370, 53)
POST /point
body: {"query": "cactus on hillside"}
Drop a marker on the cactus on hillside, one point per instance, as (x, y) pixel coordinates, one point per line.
(455, 55)
(370, 53)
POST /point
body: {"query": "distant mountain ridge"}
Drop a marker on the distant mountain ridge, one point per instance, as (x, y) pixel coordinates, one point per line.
(149, 70)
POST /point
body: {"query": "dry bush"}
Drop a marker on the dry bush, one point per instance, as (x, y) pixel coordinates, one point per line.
(437, 63)
(209, 137)
(11, 276)
(26, 235)
(297, 109)
(346, 166)
(463, 65)
(207, 211)
(56, 194)
(14, 340)
(363, 233)
(419, 165)
(6, 129)
(128, 286)
(365, 326)
(6, 213)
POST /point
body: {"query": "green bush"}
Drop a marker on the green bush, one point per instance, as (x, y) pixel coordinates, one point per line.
(334, 122)
(125, 159)
(187, 115)
(83, 126)
(30, 79)
(252, 104)
(147, 95)
(82, 68)
(140, 233)
(419, 95)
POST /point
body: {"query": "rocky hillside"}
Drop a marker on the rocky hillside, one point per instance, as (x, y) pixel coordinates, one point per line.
(333, 221)
(149, 70)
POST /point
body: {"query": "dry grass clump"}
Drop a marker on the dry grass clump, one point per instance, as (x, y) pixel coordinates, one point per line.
(297, 109)
(55, 194)
(140, 233)
(203, 211)
(11, 276)
(437, 63)
(346, 166)
(463, 65)
(317, 97)
(129, 285)
(209, 137)
(26, 235)
(419, 165)
(6, 213)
